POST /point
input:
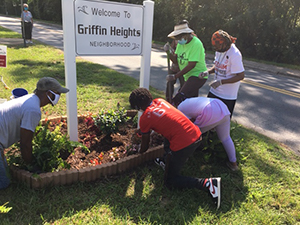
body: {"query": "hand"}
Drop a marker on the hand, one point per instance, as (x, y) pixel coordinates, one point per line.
(167, 47)
(215, 84)
(170, 77)
(203, 74)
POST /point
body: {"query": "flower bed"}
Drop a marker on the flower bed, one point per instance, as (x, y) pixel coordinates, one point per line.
(96, 164)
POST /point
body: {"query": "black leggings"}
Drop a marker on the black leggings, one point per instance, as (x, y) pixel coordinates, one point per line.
(191, 86)
(28, 30)
(230, 103)
(175, 160)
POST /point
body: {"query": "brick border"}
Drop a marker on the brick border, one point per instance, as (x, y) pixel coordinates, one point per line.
(87, 174)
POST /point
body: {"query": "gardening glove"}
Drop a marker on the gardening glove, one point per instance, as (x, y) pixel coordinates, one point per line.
(167, 47)
(170, 77)
(215, 84)
(203, 75)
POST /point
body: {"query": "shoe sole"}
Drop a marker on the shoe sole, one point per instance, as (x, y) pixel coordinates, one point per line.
(219, 191)
(162, 165)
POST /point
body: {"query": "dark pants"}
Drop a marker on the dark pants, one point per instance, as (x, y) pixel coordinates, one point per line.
(230, 103)
(4, 179)
(28, 30)
(191, 86)
(175, 160)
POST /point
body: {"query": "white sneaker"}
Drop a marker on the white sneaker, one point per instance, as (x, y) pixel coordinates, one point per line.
(214, 188)
(30, 42)
(160, 162)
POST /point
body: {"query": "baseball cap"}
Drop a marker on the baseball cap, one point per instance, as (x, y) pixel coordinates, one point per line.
(49, 83)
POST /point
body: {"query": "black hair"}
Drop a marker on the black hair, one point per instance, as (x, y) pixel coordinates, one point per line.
(179, 97)
(140, 98)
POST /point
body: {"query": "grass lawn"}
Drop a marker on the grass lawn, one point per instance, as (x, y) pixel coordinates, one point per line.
(265, 191)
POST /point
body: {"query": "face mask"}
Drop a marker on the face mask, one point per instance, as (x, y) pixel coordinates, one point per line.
(182, 41)
(56, 98)
(25, 8)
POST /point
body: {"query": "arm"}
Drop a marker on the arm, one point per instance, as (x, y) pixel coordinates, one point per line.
(186, 69)
(31, 18)
(211, 70)
(26, 144)
(238, 77)
(173, 58)
(145, 142)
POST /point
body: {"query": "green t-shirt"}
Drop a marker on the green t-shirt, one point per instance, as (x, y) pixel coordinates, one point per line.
(191, 52)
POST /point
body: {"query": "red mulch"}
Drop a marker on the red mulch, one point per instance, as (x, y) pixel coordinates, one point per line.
(105, 149)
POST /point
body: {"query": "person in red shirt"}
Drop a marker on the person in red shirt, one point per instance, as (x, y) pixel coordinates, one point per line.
(182, 138)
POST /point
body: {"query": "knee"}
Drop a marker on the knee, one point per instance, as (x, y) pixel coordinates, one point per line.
(225, 139)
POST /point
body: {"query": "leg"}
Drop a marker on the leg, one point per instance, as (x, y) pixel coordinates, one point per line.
(4, 180)
(30, 32)
(174, 163)
(173, 179)
(223, 132)
(191, 86)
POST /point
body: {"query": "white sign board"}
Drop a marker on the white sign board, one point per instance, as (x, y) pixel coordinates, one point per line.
(3, 52)
(122, 23)
(108, 28)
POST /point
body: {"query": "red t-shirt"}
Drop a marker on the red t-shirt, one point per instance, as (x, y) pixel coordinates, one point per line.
(165, 119)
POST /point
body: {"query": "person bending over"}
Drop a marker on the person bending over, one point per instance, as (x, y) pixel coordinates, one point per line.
(208, 113)
(19, 118)
(182, 135)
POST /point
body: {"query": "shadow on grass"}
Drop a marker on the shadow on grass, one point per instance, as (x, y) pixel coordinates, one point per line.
(87, 74)
(140, 195)
(135, 196)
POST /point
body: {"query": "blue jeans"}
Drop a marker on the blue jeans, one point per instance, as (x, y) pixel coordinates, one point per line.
(4, 180)
(175, 160)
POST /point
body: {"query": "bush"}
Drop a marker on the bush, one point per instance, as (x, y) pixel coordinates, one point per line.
(48, 149)
(108, 122)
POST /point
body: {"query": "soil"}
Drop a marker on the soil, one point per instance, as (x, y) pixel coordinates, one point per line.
(105, 148)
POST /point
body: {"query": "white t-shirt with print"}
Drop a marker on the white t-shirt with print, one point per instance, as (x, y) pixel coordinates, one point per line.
(227, 65)
(23, 112)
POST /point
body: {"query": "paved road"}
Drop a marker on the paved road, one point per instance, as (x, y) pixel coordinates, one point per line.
(269, 97)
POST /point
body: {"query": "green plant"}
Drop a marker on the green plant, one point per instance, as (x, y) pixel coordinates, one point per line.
(109, 121)
(4, 209)
(135, 120)
(48, 150)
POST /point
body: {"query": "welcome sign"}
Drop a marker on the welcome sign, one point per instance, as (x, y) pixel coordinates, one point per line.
(3, 52)
(108, 28)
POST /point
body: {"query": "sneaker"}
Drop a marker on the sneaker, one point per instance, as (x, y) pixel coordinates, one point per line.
(232, 166)
(214, 188)
(160, 162)
(30, 42)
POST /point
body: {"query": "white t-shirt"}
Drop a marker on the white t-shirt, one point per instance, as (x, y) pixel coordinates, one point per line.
(205, 111)
(227, 65)
(23, 112)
